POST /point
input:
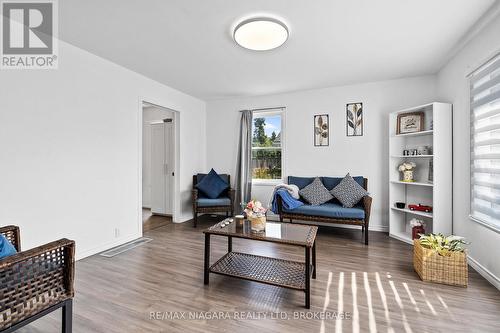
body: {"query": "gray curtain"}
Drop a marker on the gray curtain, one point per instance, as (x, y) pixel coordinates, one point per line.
(243, 176)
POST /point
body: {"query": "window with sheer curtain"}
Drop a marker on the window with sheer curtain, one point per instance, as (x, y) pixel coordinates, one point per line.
(485, 143)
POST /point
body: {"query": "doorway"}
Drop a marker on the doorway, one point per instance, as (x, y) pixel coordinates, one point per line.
(158, 165)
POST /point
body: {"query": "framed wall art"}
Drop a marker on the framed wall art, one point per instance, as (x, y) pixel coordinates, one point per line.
(321, 130)
(354, 119)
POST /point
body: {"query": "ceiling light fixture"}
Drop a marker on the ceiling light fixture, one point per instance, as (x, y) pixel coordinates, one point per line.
(261, 34)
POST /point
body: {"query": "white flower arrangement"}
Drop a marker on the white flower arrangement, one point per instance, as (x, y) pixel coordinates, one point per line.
(254, 208)
(407, 166)
(414, 222)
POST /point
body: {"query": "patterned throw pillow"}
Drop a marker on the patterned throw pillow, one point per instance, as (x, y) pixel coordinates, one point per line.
(315, 193)
(348, 192)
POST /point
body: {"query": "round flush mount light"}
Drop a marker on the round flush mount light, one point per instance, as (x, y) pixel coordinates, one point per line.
(260, 34)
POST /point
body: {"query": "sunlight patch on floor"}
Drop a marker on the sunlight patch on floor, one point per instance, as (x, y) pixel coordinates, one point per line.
(371, 316)
(401, 306)
(340, 306)
(384, 302)
(428, 303)
(410, 296)
(355, 311)
(327, 300)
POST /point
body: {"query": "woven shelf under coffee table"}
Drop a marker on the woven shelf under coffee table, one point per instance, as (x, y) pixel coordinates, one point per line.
(278, 272)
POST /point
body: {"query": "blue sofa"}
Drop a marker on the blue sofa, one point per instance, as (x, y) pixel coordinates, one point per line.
(332, 211)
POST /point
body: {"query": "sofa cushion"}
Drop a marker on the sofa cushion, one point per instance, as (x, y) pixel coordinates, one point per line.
(348, 192)
(212, 185)
(301, 182)
(330, 210)
(6, 248)
(315, 193)
(207, 202)
(331, 182)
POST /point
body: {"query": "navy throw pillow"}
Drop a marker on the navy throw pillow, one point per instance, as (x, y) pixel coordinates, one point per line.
(212, 185)
(6, 248)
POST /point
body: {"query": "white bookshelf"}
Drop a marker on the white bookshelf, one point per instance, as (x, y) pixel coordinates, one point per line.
(437, 193)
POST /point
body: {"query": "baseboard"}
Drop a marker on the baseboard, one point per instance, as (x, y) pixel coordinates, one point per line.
(183, 218)
(484, 272)
(106, 246)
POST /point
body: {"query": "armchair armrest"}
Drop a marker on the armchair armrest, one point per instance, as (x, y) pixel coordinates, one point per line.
(367, 205)
(194, 197)
(42, 277)
(13, 235)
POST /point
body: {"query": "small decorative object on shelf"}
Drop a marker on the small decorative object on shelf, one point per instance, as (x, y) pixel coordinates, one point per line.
(410, 122)
(441, 259)
(420, 208)
(423, 150)
(431, 171)
(400, 205)
(417, 228)
(406, 152)
(407, 169)
(256, 214)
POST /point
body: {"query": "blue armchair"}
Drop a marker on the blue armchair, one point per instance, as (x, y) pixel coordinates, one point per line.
(202, 204)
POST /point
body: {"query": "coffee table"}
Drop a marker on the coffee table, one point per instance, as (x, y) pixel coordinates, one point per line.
(278, 272)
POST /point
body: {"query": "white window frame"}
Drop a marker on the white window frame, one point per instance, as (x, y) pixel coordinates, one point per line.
(257, 113)
(493, 61)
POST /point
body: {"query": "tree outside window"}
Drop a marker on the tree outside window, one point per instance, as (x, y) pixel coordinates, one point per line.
(266, 146)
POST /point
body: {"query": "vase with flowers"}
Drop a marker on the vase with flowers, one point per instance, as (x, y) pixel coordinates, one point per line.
(256, 214)
(407, 169)
(417, 228)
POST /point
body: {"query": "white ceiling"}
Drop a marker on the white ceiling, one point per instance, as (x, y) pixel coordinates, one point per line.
(187, 44)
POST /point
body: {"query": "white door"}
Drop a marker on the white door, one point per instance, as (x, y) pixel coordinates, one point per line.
(162, 167)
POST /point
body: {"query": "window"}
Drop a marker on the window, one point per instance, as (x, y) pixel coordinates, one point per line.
(267, 138)
(485, 143)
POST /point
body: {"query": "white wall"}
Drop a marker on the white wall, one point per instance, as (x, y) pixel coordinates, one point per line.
(70, 150)
(453, 87)
(149, 114)
(366, 155)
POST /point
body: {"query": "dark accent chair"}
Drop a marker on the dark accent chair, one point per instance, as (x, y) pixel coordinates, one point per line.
(331, 212)
(202, 204)
(36, 282)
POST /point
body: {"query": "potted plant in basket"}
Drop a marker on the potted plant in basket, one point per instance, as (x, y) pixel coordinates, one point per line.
(441, 259)
(256, 214)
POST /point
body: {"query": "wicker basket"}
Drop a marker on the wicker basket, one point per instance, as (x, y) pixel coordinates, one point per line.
(431, 267)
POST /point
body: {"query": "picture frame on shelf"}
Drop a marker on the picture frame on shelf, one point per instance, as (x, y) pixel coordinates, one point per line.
(410, 122)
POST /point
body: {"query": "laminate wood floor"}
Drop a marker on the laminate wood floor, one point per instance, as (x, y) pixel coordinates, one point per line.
(374, 286)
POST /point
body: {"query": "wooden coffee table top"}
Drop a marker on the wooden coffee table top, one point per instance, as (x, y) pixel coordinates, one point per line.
(285, 233)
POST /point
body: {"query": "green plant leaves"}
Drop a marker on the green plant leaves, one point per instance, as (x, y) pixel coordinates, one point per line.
(444, 246)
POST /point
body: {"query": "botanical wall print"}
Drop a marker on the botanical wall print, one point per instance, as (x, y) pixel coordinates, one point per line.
(354, 119)
(321, 130)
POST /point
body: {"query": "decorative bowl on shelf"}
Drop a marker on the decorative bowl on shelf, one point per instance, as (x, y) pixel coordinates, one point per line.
(400, 205)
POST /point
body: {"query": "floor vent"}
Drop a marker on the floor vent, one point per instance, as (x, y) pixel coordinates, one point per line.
(125, 247)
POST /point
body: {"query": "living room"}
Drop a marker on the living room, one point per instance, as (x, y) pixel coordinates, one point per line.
(384, 91)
